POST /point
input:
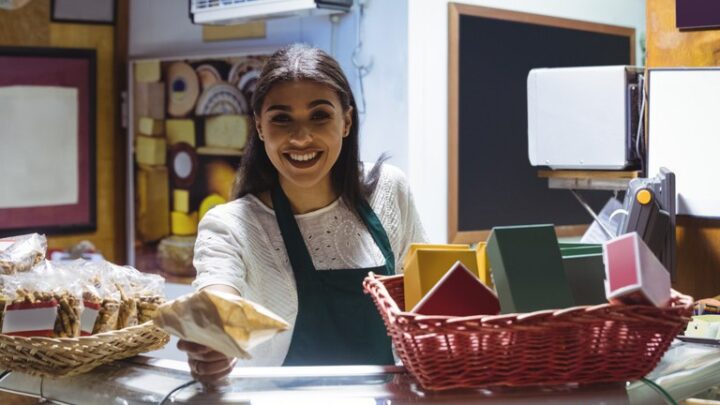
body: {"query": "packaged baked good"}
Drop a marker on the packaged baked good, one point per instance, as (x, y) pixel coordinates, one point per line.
(21, 253)
(31, 309)
(101, 298)
(150, 296)
(67, 289)
(120, 279)
(146, 290)
(223, 322)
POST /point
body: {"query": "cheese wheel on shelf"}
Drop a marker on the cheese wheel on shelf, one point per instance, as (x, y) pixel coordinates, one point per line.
(183, 165)
(209, 203)
(183, 89)
(183, 224)
(208, 75)
(219, 177)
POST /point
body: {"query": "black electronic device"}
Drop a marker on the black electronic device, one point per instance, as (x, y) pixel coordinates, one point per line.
(650, 206)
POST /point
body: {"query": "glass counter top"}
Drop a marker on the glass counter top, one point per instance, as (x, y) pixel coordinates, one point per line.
(685, 370)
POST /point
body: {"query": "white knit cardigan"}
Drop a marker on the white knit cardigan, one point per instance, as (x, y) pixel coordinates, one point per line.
(239, 244)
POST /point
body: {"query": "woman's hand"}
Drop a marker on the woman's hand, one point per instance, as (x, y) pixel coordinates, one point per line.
(206, 365)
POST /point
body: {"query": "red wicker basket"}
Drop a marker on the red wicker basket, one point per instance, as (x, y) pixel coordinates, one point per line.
(586, 344)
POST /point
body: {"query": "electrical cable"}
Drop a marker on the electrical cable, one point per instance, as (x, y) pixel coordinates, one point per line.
(175, 390)
(334, 22)
(639, 142)
(660, 390)
(362, 68)
(589, 209)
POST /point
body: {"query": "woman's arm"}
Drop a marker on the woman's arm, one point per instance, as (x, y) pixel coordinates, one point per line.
(220, 268)
(206, 365)
(222, 288)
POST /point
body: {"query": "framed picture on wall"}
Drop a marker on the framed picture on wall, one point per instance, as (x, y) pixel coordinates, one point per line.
(697, 14)
(83, 11)
(47, 158)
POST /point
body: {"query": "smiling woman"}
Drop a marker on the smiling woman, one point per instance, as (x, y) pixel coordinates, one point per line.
(308, 223)
(302, 126)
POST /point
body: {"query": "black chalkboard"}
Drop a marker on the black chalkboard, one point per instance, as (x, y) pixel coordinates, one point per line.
(496, 183)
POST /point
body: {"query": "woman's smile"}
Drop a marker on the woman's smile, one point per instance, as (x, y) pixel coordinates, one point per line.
(303, 159)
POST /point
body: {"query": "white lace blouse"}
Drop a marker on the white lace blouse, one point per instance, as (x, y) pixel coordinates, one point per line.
(239, 244)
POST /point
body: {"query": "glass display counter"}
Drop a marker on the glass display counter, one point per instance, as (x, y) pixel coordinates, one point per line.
(685, 371)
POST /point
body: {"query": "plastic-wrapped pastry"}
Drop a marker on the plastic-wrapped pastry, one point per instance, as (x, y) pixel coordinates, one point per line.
(21, 253)
(223, 322)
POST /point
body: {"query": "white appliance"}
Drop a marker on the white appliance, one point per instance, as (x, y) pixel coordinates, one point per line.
(583, 117)
(225, 12)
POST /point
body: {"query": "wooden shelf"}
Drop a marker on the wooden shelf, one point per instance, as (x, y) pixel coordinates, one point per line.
(211, 151)
(612, 180)
(589, 174)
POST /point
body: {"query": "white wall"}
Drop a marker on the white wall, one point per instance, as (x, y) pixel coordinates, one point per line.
(428, 90)
(161, 28)
(384, 128)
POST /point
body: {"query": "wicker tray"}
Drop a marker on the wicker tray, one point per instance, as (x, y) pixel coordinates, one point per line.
(61, 357)
(604, 343)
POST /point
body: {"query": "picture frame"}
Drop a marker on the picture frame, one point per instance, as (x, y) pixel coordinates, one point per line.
(479, 131)
(48, 110)
(83, 11)
(697, 14)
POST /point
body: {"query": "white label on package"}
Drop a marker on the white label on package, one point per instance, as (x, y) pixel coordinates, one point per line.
(30, 320)
(88, 317)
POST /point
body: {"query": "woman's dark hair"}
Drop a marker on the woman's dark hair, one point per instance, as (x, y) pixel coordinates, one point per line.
(294, 63)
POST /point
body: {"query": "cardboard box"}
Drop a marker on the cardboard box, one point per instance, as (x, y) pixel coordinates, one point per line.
(633, 274)
(586, 276)
(527, 269)
(458, 293)
(426, 264)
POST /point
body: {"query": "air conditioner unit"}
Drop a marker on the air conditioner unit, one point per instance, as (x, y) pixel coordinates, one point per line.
(225, 12)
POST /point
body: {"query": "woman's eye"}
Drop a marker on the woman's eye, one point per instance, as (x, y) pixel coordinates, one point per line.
(280, 118)
(320, 115)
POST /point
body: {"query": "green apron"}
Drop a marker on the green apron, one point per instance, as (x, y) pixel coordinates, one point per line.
(337, 324)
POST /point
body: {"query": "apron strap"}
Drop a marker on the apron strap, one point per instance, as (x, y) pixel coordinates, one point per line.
(298, 254)
(301, 260)
(373, 224)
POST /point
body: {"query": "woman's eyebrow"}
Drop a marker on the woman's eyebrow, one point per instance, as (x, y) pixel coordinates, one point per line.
(319, 102)
(280, 107)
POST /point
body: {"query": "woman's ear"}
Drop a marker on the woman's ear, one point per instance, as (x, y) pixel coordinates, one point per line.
(348, 122)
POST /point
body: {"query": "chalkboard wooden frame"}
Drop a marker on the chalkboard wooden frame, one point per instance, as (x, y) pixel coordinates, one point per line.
(455, 11)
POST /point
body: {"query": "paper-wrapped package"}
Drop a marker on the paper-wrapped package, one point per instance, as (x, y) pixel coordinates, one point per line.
(223, 322)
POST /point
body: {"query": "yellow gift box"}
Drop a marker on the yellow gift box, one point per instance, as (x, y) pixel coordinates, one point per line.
(425, 264)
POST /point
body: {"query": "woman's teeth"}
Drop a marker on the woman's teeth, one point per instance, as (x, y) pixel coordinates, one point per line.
(303, 157)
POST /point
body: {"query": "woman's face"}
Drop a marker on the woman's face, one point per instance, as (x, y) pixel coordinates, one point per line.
(303, 126)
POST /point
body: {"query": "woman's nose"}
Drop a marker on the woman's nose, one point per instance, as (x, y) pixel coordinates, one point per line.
(301, 135)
